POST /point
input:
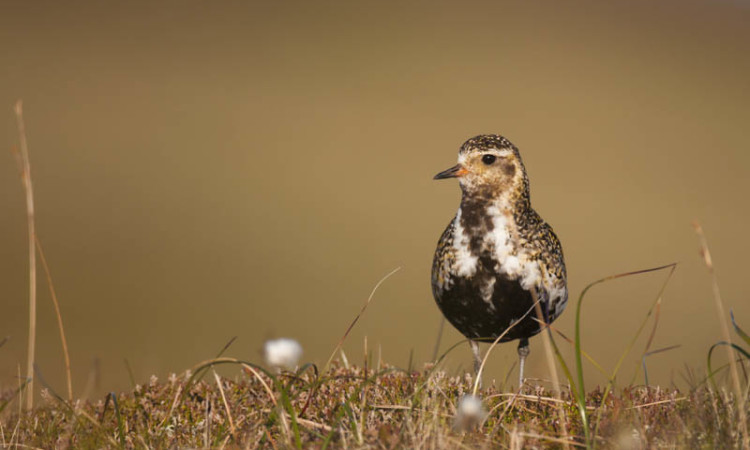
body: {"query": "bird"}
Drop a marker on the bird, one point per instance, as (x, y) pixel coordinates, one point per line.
(497, 258)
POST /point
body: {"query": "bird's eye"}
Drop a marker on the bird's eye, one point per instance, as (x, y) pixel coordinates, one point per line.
(488, 159)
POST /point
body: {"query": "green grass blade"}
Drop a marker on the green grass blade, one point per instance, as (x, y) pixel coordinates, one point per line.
(653, 352)
(738, 330)
(287, 405)
(711, 372)
(120, 426)
(580, 385)
(588, 357)
(581, 400)
(226, 347)
(564, 365)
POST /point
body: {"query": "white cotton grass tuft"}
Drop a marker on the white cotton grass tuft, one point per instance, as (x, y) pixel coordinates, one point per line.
(470, 411)
(282, 353)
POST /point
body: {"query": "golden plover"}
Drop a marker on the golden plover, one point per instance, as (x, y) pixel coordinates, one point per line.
(497, 257)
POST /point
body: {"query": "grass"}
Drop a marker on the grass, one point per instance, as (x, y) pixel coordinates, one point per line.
(342, 405)
(355, 407)
(25, 166)
(346, 406)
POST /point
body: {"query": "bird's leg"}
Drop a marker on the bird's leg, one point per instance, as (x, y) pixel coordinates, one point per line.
(523, 352)
(477, 360)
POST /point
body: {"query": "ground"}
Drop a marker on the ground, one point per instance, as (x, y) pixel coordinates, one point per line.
(357, 407)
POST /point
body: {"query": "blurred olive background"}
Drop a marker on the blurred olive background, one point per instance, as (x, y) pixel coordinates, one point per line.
(204, 170)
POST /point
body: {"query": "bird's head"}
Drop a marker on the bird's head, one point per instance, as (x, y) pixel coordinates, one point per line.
(490, 165)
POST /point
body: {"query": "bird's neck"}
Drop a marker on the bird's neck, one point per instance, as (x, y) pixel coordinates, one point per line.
(484, 218)
(486, 202)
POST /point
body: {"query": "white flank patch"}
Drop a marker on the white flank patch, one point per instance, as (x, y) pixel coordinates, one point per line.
(514, 262)
(558, 296)
(531, 276)
(466, 263)
(511, 265)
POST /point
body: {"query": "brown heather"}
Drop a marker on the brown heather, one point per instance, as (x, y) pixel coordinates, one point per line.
(356, 408)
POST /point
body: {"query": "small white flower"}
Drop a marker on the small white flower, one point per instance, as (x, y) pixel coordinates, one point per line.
(283, 353)
(470, 411)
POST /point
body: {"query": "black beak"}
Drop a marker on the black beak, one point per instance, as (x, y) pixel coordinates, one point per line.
(453, 172)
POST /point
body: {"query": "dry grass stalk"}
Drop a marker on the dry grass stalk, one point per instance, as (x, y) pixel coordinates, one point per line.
(207, 421)
(20, 387)
(26, 178)
(354, 322)
(546, 336)
(232, 428)
(727, 336)
(477, 382)
(405, 409)
(660, 402)
(64, 341)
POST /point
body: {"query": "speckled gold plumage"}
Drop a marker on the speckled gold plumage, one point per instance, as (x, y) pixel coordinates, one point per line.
(497, 254)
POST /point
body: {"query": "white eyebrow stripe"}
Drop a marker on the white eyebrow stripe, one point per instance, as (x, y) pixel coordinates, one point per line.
(502, 152)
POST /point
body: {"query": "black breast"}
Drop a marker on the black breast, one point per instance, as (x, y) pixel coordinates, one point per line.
(465, 308)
